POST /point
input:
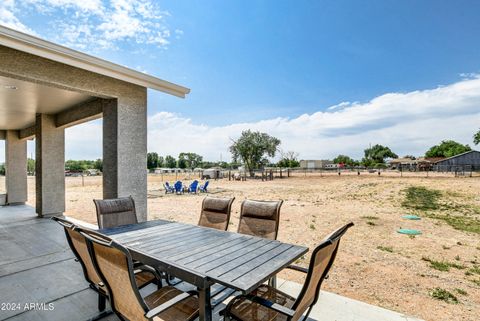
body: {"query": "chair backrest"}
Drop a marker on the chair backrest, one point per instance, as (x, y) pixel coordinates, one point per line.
(216, 212)
(114, 264)
(260, 218)
(321, 261)
(178, 186)
(78, 245)
(115, 212)
(193, 186)
(206, 185)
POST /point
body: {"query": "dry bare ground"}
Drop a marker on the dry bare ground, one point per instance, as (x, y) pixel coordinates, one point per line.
(375, 264)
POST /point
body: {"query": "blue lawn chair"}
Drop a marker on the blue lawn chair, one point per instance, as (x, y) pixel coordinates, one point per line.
(168, 188)
(193, 187)
(203, 188)
(178, 187)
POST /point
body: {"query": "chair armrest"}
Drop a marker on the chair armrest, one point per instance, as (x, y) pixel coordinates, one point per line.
(271, 305)
(162, 307)
(297, 268)
(146, 268)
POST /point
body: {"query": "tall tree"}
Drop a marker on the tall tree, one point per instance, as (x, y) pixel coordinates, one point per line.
(182, 162)
(161, 161)
(253, 147)
(192, 160)
(98, 164)
(447, 148)
(170, 161)
(377, 154)
(289, 159)
(30, 166)
(344, 159)
(152, 160)
(476, 138)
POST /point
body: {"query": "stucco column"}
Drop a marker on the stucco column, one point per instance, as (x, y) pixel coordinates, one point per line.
(125, 149)
(16, 168)
(49, 166)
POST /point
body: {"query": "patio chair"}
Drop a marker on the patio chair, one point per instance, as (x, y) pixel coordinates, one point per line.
(144, 275)
(203, 188)
(115, 212)
(193, 187)
(216, 212)
(114, 265)
(260, 218)
(268, 303)
(168, 188)
(178, 187)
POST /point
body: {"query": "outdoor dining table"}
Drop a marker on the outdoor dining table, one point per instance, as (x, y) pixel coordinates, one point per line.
(203, 256)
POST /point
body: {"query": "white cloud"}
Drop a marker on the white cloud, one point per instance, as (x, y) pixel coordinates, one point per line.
(93, 24)
(9, 19)
(409, 123)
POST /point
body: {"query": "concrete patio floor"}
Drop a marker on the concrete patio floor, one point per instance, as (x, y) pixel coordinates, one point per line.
(36, 266)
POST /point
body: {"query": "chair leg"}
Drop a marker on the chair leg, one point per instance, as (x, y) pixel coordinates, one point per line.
(273, 282)
(101, 302)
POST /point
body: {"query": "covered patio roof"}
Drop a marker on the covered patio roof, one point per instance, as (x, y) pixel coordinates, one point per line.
(42, 48)
(45, 88)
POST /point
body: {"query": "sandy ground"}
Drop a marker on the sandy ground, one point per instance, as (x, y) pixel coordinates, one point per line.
(314, 206)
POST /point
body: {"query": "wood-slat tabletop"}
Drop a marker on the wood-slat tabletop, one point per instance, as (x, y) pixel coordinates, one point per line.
(235, 260)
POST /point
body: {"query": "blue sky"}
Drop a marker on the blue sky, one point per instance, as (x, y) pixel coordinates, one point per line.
(280, 66)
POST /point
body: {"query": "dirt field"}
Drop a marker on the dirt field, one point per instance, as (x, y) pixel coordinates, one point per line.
(375, 264)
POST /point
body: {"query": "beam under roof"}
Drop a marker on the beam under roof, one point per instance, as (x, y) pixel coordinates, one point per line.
(42, 48)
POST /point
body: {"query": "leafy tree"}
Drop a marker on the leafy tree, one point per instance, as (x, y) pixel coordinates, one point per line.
(152, 160)
(161, 161)
(289, 159)
(78, 165)
(253, 147)
(207, 164)
(447, 148)
(191, 160)
(170, 161)
(182, 162)
(30, 166)
(476, 138)
(410, 156)
(377, 155)
(2, 169)
(344, 159)
(98, 164)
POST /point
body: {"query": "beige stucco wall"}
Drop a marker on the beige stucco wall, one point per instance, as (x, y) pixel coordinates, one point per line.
(125, 122)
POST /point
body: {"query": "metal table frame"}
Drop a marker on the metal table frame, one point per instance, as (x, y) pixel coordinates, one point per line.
(203, 256)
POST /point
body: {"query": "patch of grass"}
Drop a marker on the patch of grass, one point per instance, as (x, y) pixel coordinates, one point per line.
(369, 217)
(461, 291)
(385, 248)
(421, 198)
(477, 282)
(461, 223)
(442, 265)
(371, 223)
(312, 227)
(474, 270)
(446, 247)
(443, 295)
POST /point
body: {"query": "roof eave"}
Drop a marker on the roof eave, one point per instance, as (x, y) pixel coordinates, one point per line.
(45, 49)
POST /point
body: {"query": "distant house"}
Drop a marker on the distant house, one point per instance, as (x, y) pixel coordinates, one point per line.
(465, 161)
(315, 164)
(404, 163)
(419, 164)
